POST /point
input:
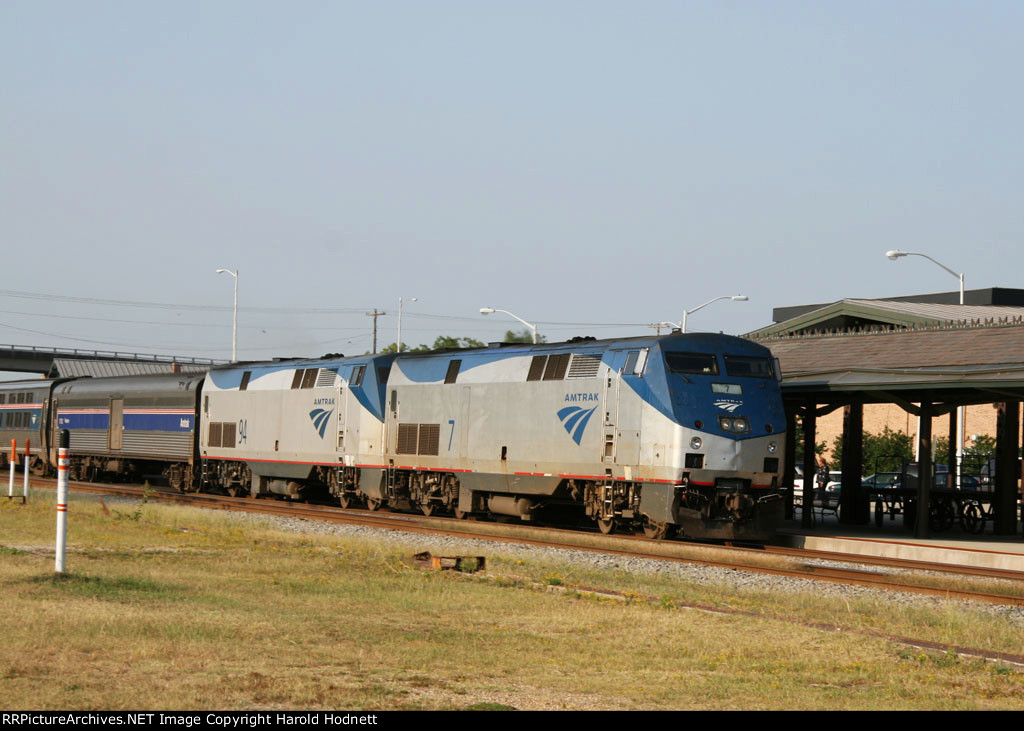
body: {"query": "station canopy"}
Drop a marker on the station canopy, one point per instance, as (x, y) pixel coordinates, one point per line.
(903, 350)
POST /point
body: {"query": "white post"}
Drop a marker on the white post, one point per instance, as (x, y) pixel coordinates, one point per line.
(24, 493)
(62, 500)
(13, 461)
(398, 345)
(234, 326)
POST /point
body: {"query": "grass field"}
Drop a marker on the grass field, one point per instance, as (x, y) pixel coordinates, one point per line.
(176, 608)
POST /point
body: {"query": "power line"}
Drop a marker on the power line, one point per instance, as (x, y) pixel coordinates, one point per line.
(171, 306)
(164, 322)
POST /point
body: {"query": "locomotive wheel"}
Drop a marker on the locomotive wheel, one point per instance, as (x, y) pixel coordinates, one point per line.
(461, 515)
(236, 490)
(606, 526)
(427, 508)
(344, 500)
(655, 531)
(373, 503)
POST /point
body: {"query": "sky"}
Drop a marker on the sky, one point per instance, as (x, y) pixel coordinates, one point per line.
(591, 166)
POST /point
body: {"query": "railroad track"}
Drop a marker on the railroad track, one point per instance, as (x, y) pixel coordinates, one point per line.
(861, 575)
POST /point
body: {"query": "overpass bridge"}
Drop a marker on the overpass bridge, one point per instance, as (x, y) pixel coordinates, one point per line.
(56, 362)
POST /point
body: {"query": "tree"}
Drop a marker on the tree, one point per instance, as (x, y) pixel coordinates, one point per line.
(979, 453)
(522, 336)
(446, 341)
(940, 451)
(442, 342)
(819, 447)
(885, 452)
(393, 348)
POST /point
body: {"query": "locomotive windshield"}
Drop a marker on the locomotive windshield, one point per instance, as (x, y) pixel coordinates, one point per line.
(745, 366)
(703, 364)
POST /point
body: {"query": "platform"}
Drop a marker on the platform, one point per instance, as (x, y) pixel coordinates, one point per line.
(953, 547)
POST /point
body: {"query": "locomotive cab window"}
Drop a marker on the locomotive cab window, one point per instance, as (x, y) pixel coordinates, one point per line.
(635, 362)
(453, 371)
(698, 364)
(743, 366)
(357, 375)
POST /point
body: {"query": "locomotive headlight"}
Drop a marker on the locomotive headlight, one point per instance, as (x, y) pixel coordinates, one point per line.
(727, 424)
(772, 447)
(740, 425)
(696, 443)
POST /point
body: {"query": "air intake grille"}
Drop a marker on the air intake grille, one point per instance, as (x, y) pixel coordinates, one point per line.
(325, 378)
(584, 366)
(418, 439)
(407, 438)
(214, 437)
(429, 437)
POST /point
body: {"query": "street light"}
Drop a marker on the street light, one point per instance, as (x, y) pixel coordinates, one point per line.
(399, 343)
(736, 297)
(491, 311)
(897, 254)
(234, 328)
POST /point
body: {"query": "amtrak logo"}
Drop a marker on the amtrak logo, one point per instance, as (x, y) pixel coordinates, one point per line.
(729, 406)
(320, 418)
(575, 419)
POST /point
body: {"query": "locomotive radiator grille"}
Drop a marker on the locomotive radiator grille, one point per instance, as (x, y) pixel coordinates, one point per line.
(418, 439)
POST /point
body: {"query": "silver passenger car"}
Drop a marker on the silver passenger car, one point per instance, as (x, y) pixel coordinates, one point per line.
(129, 427)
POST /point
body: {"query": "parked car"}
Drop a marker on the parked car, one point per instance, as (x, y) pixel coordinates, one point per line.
(894, 480)
(882, 481)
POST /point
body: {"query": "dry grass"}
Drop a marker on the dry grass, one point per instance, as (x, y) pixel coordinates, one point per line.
(189, 609)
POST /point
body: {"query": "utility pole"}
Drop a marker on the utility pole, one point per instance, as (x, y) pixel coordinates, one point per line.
(375, 315)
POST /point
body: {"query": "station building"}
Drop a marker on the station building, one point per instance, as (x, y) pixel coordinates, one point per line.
(982, 308)
(854, 365)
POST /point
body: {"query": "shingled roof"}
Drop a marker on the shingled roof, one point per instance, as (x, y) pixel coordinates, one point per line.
(989, 356)
(852, 314)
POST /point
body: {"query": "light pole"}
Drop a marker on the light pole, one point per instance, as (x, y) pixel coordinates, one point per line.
(234, 328)
(398, 345)
(897, 253)
(736, 297)
(894, 255)
(491, 310)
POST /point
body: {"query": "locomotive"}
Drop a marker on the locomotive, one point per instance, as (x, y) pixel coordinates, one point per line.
(682, 432)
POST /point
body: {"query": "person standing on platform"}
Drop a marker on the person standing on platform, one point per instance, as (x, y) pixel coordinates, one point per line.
(822, 477)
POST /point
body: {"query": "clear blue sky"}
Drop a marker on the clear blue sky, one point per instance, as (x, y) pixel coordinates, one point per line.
(602, 164)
